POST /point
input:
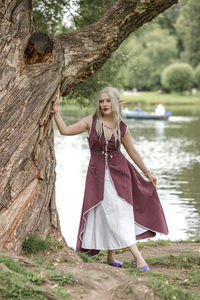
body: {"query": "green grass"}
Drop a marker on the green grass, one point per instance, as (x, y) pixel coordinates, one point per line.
(192, 277)
(62, 277)
(13, 284)
(12, 265)
(191, 240)
(150, 98)
(177, 261)
(34, 243)
(62, 292)
(153, 98)
(167, 289)
(10, 289)
(128, 290)
(181, 284)
(197, 240)
(67, 260)
(152, 243)
(85, 257)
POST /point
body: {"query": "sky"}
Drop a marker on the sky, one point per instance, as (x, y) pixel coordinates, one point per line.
(67, 16)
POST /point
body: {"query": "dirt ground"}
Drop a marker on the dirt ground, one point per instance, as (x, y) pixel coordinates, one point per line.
(101, 281)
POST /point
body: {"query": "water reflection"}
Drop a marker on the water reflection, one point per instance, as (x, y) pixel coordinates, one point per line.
(170, 149)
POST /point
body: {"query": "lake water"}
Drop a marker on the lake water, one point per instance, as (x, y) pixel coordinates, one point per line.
(171, 150)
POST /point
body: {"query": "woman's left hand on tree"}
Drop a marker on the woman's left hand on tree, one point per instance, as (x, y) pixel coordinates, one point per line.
(55, 104)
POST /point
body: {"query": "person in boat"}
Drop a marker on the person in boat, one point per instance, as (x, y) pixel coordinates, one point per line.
(138, 109)
(119, 205)
(160, 110)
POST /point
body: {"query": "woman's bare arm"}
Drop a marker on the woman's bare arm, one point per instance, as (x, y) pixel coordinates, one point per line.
(135, 156)
(133, 153)
(73, 129)
(76, 128)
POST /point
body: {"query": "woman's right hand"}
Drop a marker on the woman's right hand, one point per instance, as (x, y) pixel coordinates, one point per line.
(55, 104)
(152, 179)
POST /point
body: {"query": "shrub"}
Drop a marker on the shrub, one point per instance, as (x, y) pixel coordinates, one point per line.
(178, 77)
(34, 243)
(197, 76)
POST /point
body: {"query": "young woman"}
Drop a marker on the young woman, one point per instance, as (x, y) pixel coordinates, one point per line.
(119, 205)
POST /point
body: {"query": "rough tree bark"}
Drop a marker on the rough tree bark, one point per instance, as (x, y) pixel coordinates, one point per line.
(32, 66)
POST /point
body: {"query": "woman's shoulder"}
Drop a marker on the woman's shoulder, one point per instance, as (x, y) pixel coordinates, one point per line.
(123, 124)
(90, 120)
(87, 119)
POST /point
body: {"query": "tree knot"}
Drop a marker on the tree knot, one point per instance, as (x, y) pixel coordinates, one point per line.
(39, 48)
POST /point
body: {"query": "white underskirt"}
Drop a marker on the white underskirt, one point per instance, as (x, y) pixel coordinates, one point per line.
(110, 225)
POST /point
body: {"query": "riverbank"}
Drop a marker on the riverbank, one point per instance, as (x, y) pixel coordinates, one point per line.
(153, 98)
(62, 274)
(187, 103)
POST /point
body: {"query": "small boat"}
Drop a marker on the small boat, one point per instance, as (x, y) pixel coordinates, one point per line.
(144, 115)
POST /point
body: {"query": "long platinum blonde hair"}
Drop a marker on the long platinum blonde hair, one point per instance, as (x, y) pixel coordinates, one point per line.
(114, 96)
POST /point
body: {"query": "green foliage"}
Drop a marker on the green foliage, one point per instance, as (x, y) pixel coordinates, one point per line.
(187, 26)
(13, 290)
(48, 16)
(62, 277)
(85, 257)
(34, 243)
(197, 76)
(128, 290)
(21, 284)
(150, 52)
(62, 292)
(50, 266)
(20, 271)
(178, 77)
(12, 283)
(168, 18)
(12, 265)
(90, 10)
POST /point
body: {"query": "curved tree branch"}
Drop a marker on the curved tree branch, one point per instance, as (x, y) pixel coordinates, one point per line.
(86, 50)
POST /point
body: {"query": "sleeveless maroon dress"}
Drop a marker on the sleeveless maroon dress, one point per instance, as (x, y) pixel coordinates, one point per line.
(128, 182)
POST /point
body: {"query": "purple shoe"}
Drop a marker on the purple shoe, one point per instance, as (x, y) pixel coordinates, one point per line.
(145, 268)
(117, 264)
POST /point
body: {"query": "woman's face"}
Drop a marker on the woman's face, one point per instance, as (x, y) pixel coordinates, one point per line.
(105, 104)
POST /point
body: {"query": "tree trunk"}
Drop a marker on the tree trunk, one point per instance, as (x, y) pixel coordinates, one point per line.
(32, 66)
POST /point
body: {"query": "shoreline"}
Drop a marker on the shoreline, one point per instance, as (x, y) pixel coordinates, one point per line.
(186, 104)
